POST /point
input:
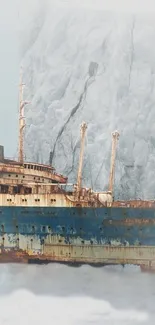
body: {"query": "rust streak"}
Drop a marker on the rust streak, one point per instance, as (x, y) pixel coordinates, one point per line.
(128, 221)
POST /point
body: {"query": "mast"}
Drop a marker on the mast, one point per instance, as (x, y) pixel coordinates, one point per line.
(115, 137)
(79, 176)
(21, 121)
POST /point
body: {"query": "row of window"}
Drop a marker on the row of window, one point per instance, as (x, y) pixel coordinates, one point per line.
(42, 228)
(60, 241)
(35, 178)
(35, 167)
(25, 200)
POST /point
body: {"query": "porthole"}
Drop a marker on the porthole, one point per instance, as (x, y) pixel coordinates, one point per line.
(33, 229)
(53, 200)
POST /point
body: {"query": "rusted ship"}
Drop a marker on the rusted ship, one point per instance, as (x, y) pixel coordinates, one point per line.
(41, 221)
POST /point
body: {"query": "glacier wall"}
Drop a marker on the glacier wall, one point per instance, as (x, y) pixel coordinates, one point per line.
(96, 66)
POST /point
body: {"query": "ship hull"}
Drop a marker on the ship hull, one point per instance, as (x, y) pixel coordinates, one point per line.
(72, 235)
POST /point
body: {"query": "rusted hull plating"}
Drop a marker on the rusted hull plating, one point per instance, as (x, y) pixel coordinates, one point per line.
(78, 255)
(96, 236)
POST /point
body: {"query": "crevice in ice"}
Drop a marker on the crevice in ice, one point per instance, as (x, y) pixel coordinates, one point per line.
(93, 66)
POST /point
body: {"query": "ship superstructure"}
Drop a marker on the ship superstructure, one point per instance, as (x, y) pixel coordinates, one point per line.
(43, 218)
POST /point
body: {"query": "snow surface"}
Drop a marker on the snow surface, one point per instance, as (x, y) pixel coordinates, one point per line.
(56, 294)
(83, 63)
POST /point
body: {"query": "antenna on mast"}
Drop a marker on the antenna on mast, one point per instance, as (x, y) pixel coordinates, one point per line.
(21, 120)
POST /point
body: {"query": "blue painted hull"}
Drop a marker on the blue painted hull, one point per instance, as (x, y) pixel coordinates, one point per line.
(98, 224)
(97, 236)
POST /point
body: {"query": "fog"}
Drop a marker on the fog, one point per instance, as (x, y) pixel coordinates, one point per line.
(53, 294)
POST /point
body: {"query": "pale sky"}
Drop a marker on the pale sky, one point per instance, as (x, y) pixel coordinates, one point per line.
(11, 18)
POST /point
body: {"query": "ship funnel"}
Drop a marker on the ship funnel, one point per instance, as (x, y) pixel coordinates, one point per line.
(115, 137)
(79, 176)
(1, 153)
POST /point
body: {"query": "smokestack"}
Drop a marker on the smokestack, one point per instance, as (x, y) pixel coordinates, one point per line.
(1, 153)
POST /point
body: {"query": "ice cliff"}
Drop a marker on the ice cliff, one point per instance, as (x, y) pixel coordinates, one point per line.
(95, 66)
